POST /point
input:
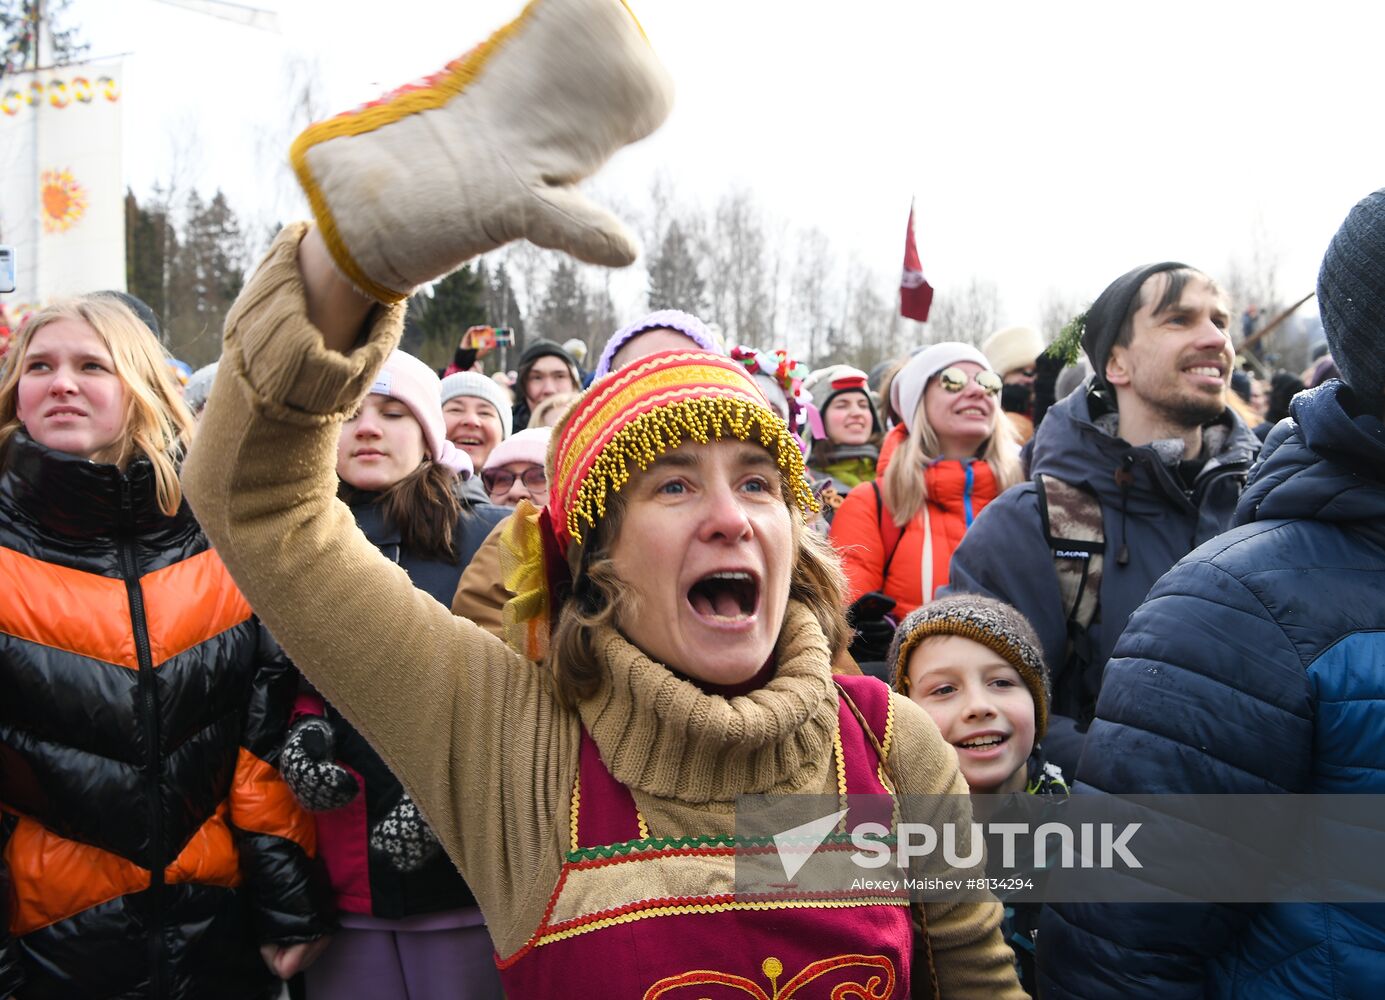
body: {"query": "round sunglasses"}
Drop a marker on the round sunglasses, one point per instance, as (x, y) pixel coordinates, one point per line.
(500, 480)
(955, 380)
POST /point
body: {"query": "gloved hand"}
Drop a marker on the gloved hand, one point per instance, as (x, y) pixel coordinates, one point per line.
(308, 764)
(405, 838)
(490, 149)
(1047, 368)
(869, 616)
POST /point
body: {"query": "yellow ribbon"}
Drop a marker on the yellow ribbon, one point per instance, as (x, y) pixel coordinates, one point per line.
(527, 613)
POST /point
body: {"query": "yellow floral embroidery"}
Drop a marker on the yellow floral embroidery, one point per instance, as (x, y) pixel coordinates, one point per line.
(879, 979)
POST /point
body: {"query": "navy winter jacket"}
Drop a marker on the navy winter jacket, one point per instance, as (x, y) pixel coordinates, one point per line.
(1256, 666)
(363, 879)
(1006, 556)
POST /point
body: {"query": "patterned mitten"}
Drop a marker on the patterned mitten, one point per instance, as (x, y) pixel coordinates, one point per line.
(308, 764)
(404, 838)
(488, 150)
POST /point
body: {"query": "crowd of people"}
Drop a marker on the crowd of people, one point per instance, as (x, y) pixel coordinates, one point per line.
(317, 665)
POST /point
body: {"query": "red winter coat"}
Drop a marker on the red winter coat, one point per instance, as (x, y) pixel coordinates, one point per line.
(957, 492)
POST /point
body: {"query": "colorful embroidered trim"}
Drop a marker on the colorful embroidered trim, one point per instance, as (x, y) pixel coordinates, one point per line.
(885, 749)
(631, 417)
(657, 844)
(693, 906)
(572, 812)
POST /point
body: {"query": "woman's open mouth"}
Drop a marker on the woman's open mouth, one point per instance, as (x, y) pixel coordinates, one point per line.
(725, 597)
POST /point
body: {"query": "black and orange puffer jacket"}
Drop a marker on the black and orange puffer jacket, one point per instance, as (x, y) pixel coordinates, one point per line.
(149, 843)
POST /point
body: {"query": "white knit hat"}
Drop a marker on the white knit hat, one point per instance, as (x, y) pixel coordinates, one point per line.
(482, 387)
(907, 388)
(1014, 347)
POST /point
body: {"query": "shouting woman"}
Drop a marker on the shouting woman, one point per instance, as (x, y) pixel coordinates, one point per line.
(674, 620)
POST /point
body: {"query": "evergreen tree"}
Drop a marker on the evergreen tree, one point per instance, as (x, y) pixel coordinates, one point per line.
(205, 275)
(503, 308)
(146, 239)
(456, 303)
(674, 281)
(601, 317)
(563, 313)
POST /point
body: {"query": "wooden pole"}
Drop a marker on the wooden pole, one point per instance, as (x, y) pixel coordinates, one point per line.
(1273, 324)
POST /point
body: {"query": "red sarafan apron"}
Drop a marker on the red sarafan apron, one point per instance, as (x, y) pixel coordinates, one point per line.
(648, 918)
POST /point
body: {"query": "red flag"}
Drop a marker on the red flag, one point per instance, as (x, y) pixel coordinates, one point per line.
(915, 294)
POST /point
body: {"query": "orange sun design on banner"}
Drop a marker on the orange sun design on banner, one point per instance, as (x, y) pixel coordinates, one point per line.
(63, 201)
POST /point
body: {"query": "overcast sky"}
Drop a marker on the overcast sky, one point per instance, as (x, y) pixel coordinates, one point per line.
(1049, 145)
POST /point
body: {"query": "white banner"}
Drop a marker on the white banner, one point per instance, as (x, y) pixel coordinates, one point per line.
(62, 195)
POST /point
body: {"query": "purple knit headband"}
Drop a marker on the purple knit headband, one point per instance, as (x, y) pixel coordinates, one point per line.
(673, 319)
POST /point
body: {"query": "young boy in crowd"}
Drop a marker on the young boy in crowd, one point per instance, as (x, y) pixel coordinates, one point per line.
(975, 665)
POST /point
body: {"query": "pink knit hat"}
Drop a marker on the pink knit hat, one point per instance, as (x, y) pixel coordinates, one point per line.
(414, 384)
(529, 445)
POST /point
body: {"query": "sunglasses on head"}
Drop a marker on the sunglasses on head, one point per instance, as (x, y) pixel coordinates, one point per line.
(500, 480)
(955, 380)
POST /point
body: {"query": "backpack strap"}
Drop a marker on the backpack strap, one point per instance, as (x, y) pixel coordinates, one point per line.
(1071, 517)
(881, 521)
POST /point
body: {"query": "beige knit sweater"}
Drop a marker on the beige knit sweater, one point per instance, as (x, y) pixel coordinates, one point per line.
(475, 733)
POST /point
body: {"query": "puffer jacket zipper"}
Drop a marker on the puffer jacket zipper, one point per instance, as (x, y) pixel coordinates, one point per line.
(149, 718)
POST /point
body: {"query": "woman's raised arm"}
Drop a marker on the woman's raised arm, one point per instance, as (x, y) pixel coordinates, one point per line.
(465, 723)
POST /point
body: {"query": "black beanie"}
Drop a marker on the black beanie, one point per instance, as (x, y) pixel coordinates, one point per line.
(140, 308)
(1351, 297)
(543, 349)
(1110, 311)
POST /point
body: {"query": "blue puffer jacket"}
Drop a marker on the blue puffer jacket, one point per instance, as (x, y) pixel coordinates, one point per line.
(1005, 555)
(1256, 666)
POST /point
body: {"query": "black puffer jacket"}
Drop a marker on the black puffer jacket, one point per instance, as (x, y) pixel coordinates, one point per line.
(363, 879)
(150, 844)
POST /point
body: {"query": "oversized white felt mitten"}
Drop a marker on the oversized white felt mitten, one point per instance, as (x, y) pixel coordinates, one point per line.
(489, 150)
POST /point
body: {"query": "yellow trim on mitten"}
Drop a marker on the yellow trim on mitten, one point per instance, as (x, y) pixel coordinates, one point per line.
(454, 79)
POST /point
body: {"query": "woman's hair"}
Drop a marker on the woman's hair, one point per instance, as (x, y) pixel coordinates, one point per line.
(903, 487)
(888, 416)
(157, 424)
(551, 410)
(1243, 409)
(424, 506)
(815, 581)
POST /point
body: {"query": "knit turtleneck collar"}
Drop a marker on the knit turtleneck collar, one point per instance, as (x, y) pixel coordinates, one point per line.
(664, 736)
(71, 496)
